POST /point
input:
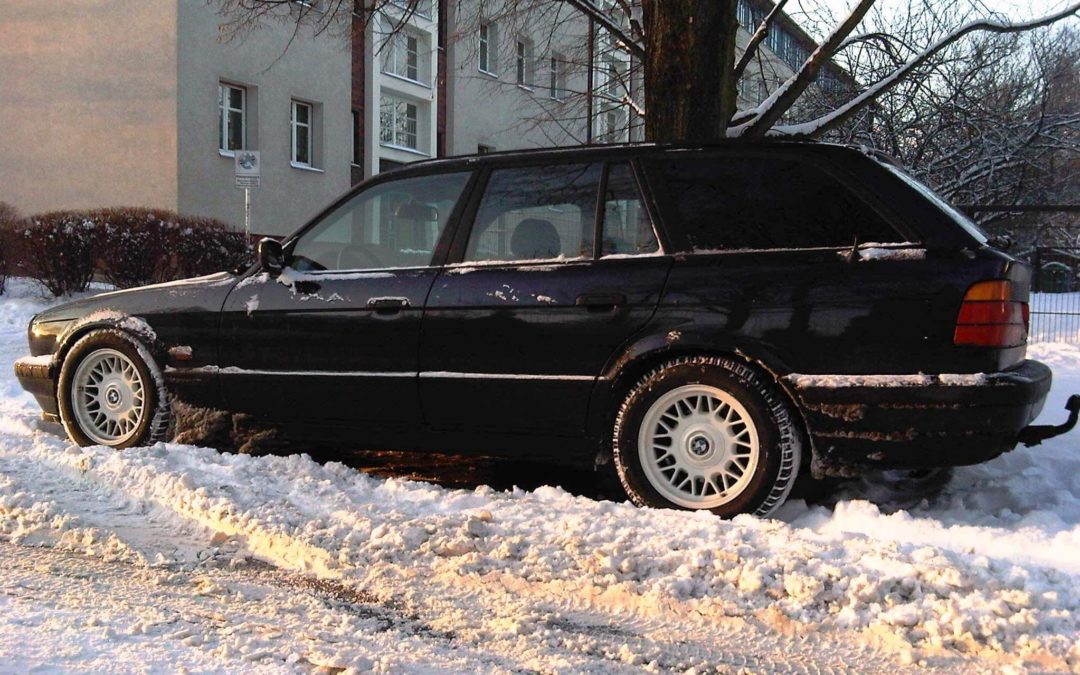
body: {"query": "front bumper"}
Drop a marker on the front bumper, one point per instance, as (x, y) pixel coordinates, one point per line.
(912, 421)
(37, 375)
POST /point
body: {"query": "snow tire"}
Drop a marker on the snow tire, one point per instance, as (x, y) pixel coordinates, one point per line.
(779, 439)
(153, 425)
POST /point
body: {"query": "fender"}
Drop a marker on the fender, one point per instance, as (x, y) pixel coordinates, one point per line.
(136, 327)
(662, 341)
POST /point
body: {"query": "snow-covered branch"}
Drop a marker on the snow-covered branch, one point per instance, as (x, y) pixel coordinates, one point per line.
(843, 113)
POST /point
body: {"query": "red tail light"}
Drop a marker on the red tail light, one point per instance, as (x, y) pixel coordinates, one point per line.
(990, 316)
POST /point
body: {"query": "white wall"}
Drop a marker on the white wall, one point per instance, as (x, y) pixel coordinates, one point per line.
(87, 104)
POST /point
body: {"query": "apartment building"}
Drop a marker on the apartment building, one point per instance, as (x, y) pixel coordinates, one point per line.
(147, 104)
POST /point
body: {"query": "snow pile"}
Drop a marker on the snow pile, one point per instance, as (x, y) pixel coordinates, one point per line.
(331, 521)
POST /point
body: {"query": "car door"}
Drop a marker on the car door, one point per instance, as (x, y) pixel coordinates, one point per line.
(517, 331)
(335, 336)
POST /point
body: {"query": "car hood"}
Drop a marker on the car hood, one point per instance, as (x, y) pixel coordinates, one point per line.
(206, 293)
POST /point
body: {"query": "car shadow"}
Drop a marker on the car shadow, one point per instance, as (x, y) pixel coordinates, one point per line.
(470, 471)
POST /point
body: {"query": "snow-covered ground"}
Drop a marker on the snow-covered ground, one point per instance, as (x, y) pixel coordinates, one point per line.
(177, 556)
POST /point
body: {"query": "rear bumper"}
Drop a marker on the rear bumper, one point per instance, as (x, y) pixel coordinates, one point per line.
(38, 376)
(918, 420)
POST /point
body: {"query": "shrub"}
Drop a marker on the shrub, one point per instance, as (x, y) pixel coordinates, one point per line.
(128, 247)
(135, 245)
(60, 249)
(206, 246)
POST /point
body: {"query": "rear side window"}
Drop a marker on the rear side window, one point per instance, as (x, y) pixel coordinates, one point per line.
(748, 202)
(536, 213)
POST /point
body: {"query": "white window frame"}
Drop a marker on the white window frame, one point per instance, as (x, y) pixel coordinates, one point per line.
(396, 60)
(224, 108)
(556, 90)
(487, 49)
(523, 57)
(295, 124)
(395, 118)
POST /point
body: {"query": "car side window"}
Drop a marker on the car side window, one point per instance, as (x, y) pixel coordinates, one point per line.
(628, 230)
(392, 224)
(752, 202)
(536, 213)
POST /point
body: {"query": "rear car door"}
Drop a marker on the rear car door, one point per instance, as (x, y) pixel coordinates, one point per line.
(550, 281)
(336, 335)
(802, 262)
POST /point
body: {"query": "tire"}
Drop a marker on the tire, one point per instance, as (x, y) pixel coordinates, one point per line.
(707, 433)
(129, 408)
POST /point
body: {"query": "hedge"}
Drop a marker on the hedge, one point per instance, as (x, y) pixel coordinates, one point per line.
(65, 250)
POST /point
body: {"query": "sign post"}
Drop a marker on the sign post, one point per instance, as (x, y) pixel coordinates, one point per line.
(247, 167)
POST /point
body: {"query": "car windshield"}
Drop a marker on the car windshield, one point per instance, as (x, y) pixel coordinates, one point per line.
(961, 219)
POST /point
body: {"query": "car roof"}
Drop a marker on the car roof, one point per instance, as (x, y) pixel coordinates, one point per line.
(626, 150)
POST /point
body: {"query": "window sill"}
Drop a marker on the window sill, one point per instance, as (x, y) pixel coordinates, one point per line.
(525, 87)
(406, 79)
(306, 167)
(402, 148)
(226, 153)
(490, 74)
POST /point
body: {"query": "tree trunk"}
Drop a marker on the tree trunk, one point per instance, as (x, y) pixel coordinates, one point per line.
(690, 90)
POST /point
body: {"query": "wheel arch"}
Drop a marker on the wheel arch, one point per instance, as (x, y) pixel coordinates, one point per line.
(135, 328)
(650, 352)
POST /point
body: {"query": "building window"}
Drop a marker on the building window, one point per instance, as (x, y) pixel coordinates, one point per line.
(487, 48)
(398, 123)
(402, 56)
(485, 149)
(523, 55)
(232, 102)
(556, 81)
(301, 123)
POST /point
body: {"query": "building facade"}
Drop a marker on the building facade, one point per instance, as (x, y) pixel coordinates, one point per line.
(146, 104)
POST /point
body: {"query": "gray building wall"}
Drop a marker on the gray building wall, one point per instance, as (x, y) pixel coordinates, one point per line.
(314, 69)
(491, 109)
(88, 104)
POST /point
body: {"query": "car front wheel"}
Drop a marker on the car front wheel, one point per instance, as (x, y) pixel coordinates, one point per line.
(707, 433)
(110, 392)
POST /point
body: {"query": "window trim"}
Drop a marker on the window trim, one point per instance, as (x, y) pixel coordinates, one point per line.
(392, 44)
(294, 125)
(680, 244)
(601, 214)
(487, 37)
(224, 108)
(556, 92)
(393, 142)
(523, 62)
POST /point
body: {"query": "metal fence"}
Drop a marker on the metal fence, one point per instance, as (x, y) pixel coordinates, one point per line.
(1055, 301)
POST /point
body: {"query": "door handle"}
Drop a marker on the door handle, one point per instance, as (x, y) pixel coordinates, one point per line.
(388, 305)
(601, 301)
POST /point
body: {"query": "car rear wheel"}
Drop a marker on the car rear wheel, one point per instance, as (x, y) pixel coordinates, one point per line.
(707, 433)
(110, 392)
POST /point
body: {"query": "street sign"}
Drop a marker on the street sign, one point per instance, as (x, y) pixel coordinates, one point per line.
(247, 165)
(246, 169)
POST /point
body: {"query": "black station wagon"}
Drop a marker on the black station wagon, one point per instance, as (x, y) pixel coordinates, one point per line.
(712, 320)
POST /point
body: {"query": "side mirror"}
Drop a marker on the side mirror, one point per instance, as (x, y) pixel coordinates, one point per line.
(271, 256)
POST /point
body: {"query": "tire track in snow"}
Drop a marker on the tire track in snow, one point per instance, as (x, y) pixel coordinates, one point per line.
(528, 623)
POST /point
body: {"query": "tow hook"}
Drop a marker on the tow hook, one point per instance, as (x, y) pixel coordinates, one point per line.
(1034, 435)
